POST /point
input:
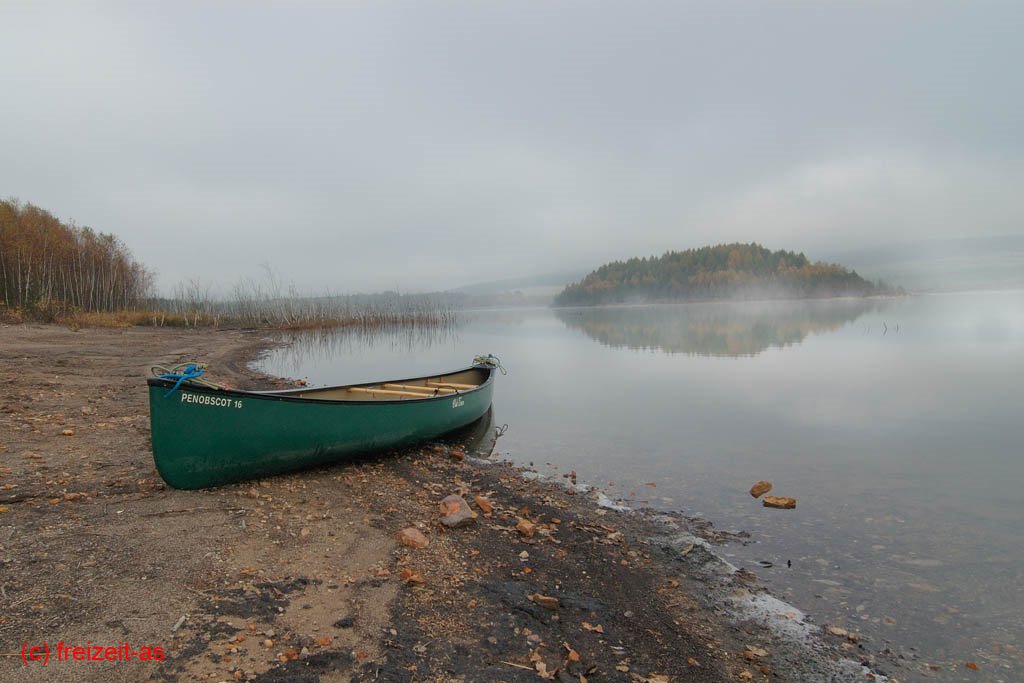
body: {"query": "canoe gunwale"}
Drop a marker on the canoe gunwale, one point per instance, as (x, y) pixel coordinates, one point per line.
(284, 394)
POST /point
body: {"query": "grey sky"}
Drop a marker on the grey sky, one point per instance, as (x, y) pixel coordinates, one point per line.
(361, 146)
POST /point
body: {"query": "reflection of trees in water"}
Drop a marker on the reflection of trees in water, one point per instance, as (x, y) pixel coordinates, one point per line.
(715, 329)
(309, 347)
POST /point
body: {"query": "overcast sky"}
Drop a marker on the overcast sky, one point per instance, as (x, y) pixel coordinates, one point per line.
(423, 145)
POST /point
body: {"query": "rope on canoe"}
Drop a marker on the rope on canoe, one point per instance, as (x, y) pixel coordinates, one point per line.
(492, 361)
(183, 372)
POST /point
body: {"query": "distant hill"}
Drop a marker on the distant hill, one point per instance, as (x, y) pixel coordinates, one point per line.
(534, 290)
(724, 271)
(942, 265)
(547, 280)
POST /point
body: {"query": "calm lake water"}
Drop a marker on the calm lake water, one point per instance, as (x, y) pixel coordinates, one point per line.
(897, 424)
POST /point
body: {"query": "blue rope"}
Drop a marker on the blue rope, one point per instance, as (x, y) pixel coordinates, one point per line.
(190, 372)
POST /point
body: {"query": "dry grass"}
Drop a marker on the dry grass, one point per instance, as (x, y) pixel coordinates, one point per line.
(123, 319)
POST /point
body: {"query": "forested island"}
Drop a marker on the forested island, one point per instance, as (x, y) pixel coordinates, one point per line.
(724, 271)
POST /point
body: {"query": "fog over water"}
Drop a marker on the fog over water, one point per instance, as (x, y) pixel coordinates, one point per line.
(365, 146)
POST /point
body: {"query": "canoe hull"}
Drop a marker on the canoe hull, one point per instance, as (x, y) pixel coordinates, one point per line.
(209, 437)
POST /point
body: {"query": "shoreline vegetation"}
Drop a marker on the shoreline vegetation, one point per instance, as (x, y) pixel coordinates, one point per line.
(715, 273)
(53, 272)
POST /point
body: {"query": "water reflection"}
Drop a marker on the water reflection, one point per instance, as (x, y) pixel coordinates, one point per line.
(477, 439)
(715, 329)
(303, 349)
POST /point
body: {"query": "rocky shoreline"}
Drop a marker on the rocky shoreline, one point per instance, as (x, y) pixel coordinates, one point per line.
(309, 576)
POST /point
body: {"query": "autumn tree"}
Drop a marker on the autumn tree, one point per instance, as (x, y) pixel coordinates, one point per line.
(49, 268)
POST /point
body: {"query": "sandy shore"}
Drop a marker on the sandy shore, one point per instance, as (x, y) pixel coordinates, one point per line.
(302, 577)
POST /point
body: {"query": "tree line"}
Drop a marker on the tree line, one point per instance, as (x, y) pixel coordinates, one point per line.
(53, 271)
(49, 268)
(723, 271)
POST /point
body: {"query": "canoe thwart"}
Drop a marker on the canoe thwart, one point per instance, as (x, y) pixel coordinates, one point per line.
(452, 385)
(427, 391)
(387, 392)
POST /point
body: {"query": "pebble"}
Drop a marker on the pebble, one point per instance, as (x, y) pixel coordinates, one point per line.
(781, 502)
(413, 538)
(526, 527)
(545, 601)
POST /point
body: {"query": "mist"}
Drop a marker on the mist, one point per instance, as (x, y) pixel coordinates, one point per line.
(427, 146)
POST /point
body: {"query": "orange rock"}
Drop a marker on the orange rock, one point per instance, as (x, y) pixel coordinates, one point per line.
(760, 488)
(545, 601)
(455, 512)
(413, 538)
(781, 502)
(457, 454)
(526, 527)
(484, 505)
(409, 576)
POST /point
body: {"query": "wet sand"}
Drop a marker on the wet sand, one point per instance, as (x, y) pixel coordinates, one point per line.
(302, 577)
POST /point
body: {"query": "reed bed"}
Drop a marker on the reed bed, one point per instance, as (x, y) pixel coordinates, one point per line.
(254, 306)
(266, 304)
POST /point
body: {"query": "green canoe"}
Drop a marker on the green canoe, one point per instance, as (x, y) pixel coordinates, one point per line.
(206, 436)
